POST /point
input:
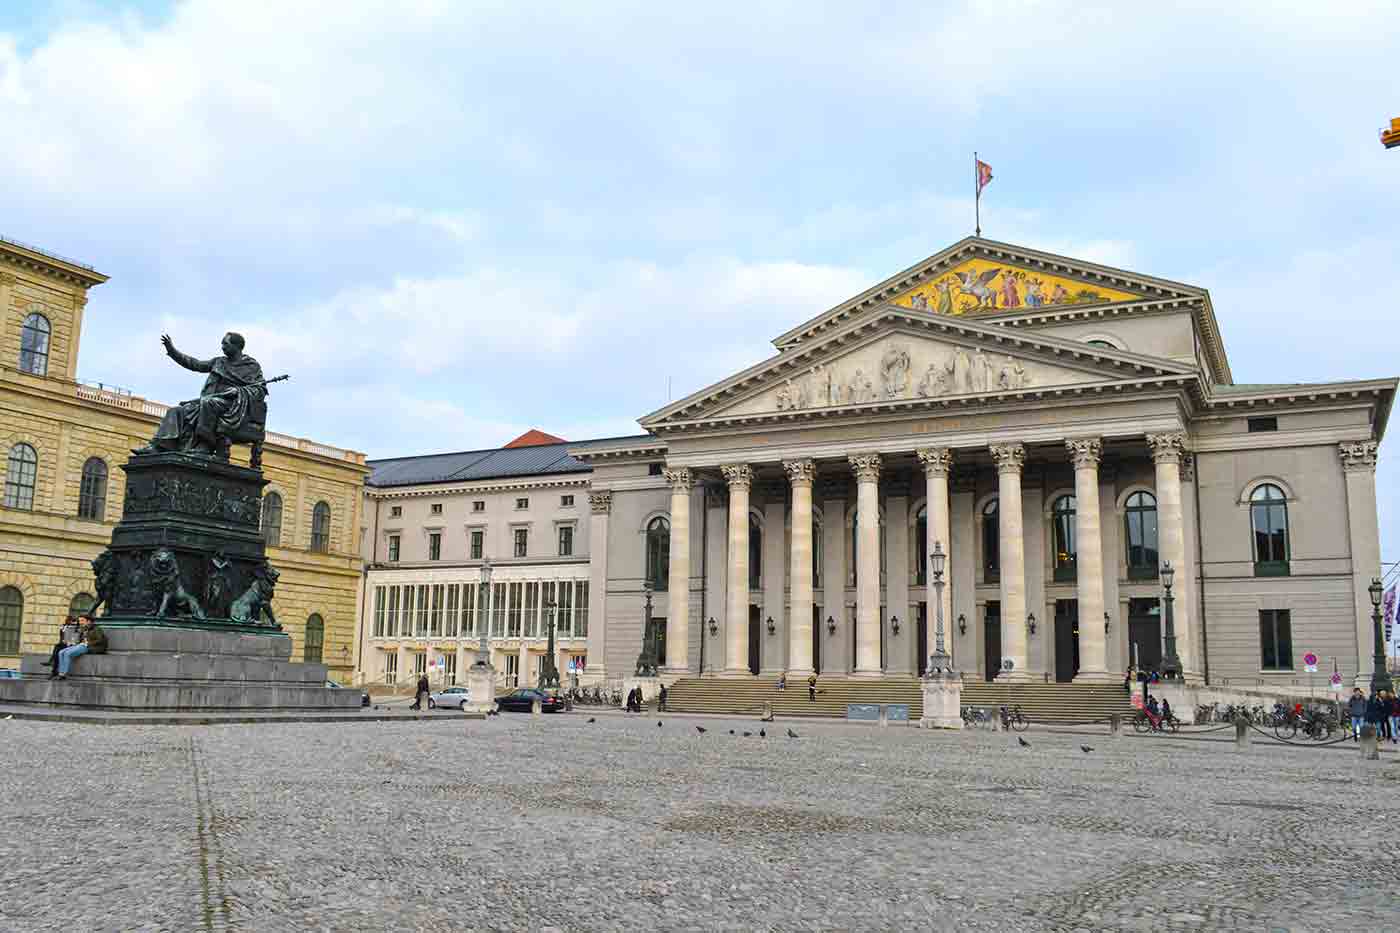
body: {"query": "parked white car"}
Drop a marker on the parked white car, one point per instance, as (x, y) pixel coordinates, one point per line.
(450, 698)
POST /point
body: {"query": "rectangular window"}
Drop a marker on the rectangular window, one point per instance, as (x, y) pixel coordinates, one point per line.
(498, 610)
(434, 545)
(581, 609)
(420, 663)
(393, 548)
(1263, 424)
(566, 540)
(479, 505)
(391, 613)
(396, 511)
(522, 540)
(513, 618)
(420, 626)
(435, 616)
(436, 508)
(654, 469)
(379, 612)
(549, 599)
(566, 502)
(391, 667)
(532, 610)
(468, 610)
(477, 538)
(522, 503)
(449, 667)
(564, 619)
(449, 614)
(406, 613)
(1275, 640)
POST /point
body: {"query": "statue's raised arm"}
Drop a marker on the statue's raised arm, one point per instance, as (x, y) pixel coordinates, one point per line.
(231, 408)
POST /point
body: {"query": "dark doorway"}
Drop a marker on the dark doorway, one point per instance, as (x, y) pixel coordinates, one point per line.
(1145, 631)
(1066, 639)
(922, 636)
(658, 627)
(817, 639)
(991, 636)
(755, 626)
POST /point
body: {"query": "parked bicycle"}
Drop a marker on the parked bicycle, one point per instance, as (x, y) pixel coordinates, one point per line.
(974, 717)
(1013, 718)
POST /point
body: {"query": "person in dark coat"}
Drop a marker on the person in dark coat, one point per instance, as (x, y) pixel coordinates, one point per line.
(423, 690)
(1356, 709)
(1376, 713)
(661, 700)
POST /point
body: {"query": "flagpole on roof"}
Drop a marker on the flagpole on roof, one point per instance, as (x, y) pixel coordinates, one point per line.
(977, 192)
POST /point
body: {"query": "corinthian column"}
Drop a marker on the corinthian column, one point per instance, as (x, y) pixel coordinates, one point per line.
(937, 461)
(678, 580)
(1167, 451)
(1093, 646)
(800, 475)
(739, 476)
(867, 470)
(1010, 458)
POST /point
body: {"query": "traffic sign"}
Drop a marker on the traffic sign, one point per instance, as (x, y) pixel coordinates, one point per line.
(1335, 681)
(1310, 663)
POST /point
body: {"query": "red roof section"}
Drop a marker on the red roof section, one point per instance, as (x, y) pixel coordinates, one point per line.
(535, 438)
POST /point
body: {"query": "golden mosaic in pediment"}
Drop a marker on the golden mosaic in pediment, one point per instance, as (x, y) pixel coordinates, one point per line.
(981, 286)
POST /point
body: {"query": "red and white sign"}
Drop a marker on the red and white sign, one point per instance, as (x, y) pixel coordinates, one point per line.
(1310, 663)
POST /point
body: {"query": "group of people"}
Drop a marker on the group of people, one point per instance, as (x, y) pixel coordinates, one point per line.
(811, 686)
(1380, 710)
(1157, 712)
(636, 700)
(1147, 677)
(76, 637)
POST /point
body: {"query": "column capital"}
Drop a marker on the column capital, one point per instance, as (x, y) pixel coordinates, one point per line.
(800, 472)
(7, 278)
(1085, 451)
(601, 502)
(937, 461)
(1358, 455)
(737, 475)
(1010, 458)
(679, 478)
(1167, 448)
(866, 467)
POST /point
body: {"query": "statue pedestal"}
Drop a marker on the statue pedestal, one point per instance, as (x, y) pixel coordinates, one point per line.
(942, 700)
(481, 683)
(651, 687)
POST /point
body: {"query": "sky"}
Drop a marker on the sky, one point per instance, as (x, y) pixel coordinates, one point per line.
(452, 222)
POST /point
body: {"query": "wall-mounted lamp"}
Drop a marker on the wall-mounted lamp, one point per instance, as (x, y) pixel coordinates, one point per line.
(1107, 624)
(894, 625)
(772, 628)
(962, 624)
(830, 626)
(1030, 622)
(714, 627)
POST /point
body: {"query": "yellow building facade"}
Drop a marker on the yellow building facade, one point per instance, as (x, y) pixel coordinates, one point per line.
(64, 443)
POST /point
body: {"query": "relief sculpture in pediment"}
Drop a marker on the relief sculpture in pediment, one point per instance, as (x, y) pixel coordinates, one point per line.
(894, 371)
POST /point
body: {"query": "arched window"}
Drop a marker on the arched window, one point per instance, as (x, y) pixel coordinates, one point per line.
(19, 478)
(1268, 515)
(991, 543)
(315, 639)
(1062, 519)
(81, 604)
(11, 619)
(1102, 343)
(921, 547)
(34, 345)
(321, 528)
(755, 553)
(1141, 521)
(658, 553)
(272, 519)
(92, 494)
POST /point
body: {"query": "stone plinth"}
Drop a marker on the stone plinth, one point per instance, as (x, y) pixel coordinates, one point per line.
(651, 687)
(481, 682)
(942, 700)
(159, 667)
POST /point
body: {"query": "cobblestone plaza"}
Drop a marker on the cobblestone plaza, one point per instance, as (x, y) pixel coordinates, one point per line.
(558, 824)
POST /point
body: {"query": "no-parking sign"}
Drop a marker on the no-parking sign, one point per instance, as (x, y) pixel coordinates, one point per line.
(1310, 663)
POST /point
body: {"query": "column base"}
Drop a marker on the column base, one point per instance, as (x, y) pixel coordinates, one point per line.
(1018, 677)
(1097, 677)
(799, 673)
(866, 674)
(737, 672)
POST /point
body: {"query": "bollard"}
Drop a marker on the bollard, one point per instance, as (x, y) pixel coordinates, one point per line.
(884, 719)
(1115, 725)
(1241, 734)
(1370, 750)
(535, 708)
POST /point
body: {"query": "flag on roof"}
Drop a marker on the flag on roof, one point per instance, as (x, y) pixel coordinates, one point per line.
(984, 175)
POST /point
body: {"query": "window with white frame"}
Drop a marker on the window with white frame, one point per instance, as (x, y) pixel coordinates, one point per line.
(406, 613)
(522, 542)
(449, 667)
(420, 663)
(379, 596)
(566, 502)
(391, 613)
(566, 540)
(522, 503)
(478, 544)
(581, 609)
(498, 610)
(435, 508)
(435, 613)
(564, 619)
(517, 598)
(449, 615)
(434, 545)
(468, 610)
(420, 625)
(532, 609)
(393, 548)
(479, 505)
(391, 667)
(396, 511)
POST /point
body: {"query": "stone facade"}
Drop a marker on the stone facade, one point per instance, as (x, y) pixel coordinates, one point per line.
(46, 547)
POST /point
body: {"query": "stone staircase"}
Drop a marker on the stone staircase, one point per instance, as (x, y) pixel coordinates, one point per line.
(1042, 703)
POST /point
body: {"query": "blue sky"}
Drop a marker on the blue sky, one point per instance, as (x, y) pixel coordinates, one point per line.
(454, 222)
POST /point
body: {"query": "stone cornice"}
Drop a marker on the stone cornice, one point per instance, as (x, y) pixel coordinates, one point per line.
(465, 489)
(34, 260)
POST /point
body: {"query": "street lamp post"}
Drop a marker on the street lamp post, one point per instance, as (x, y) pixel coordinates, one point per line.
(1171, 664)
(940, 660)
(483, 651)
(549, 671)
(1380, 677)
(646, 661)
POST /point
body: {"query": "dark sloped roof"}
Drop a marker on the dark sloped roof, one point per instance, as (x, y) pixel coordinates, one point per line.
(497, 463)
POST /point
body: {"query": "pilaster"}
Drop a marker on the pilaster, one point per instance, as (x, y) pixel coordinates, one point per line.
(678, 579)
(1358, 461)
(1167, 453)
(600, 504)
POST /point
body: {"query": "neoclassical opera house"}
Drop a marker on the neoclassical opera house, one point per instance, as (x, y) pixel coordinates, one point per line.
(1063, 431)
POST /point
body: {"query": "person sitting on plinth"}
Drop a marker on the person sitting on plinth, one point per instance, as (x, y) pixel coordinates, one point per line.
(94, 642)
(67, 637)
(231, 407)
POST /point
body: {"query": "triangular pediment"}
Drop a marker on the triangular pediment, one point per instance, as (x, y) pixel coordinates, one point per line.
(908, 356)
(986, 286)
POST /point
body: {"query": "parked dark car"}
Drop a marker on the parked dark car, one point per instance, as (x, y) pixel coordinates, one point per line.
(521, 700)
(9, 673)
(364, 694)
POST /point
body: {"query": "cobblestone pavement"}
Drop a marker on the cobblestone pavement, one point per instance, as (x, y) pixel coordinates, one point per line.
(557, 824)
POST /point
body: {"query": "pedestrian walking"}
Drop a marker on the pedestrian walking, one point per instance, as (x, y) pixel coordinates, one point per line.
(1376, 714)
(1394, 705)
(1356, 709)
(812, 688)
(661, 700)
(1128, 682)
(421, 691)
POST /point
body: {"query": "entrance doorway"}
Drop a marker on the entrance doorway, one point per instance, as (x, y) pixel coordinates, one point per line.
(1145, 631)
(817, 639)
(991, 638)
(755, 627)
(658, 632)
(922, 636)
(1066, 639)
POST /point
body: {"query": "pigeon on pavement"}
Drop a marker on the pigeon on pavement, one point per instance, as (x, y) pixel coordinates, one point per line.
(791, 734)
(762, 734)
(1086, 749)
(1024, 743)
(658, 724)
(747, 734)
(700, 729)
(592, 718)
(731, 731)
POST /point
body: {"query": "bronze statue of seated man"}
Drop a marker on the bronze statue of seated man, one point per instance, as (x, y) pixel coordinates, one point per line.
(231, 408)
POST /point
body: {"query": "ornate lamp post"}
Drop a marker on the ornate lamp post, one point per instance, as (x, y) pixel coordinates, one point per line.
(1171, 664)
(483, 651)
(1380, 677)
(939, 660)
(549, 672)
(646, 661)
